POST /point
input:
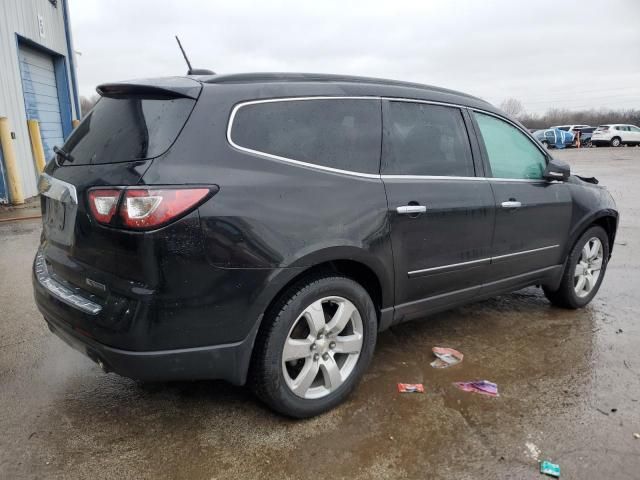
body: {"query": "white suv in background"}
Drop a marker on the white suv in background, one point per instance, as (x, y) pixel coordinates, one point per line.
(616, 135)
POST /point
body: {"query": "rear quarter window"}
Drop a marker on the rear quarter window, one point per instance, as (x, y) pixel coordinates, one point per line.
(129, 128)
(335, 133)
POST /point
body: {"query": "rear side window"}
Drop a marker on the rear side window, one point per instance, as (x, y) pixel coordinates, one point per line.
(511, 153)
(424, 139)
(335, 133)
(129, 128)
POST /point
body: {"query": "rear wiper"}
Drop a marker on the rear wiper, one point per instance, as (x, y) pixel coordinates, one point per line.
(65, 155)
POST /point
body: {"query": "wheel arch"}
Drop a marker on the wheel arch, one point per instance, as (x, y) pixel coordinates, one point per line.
(607, 219)
(369, 274)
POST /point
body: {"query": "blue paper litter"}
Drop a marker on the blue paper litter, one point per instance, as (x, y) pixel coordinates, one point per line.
(549, 468)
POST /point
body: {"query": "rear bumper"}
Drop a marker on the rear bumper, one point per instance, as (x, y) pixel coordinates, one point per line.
(136, 338)
(227, 362)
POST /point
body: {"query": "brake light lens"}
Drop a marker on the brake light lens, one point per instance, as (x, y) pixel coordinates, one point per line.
(145, 209)
(103, 204)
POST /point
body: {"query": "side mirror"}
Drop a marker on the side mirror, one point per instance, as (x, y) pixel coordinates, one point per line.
(557, 170)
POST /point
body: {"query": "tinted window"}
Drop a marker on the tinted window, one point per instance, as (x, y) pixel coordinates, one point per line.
(566, 129)
(343, 134)
(124, 129)
(511, 153)
(423, 139)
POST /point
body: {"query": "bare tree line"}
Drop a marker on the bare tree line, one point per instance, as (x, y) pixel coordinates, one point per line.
(87, 103)
(563, 116)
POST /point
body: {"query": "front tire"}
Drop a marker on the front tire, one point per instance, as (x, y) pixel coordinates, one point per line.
(584, 270)
(316, 345)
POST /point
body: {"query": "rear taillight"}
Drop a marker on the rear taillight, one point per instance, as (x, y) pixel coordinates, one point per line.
(103, 203)
(144, 208)
(149, 208)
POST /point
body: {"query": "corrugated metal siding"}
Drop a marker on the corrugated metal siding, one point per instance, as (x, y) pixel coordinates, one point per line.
(21, 17)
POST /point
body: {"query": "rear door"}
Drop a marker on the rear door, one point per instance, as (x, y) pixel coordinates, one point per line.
(532, 215)
(441, 210)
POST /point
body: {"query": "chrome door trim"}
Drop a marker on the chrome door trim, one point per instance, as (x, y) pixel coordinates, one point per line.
(452, 265)
(479, 261)
(509, 255)
(57, 189)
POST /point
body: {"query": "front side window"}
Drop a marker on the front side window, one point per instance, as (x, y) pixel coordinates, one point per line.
(424, 139)
(335, 133)
(511, 153)
(634, 129)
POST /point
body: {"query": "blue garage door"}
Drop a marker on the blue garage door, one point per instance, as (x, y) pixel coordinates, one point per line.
(41, 98)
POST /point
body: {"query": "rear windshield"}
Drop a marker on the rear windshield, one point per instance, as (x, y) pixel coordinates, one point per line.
(603, 127)
(125, 129)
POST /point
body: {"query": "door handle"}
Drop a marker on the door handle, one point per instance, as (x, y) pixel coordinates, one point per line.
(411, 209)
(511, 204)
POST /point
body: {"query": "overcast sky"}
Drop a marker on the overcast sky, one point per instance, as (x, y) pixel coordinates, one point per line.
(571, 54)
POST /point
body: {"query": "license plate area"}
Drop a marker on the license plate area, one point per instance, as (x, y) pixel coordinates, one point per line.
(60, 208)
(54, 215)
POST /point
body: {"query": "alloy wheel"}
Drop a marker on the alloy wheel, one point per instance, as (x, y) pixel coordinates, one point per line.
(588, 267)
(322, 347)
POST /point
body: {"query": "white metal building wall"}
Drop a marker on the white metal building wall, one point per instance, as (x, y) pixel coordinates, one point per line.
(22, 17)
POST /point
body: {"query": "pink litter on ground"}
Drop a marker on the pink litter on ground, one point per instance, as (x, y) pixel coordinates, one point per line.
(410, 388)
(446, 357)
(484, 387)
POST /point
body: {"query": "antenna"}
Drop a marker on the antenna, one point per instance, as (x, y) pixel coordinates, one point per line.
(193, 71)
(186, 59)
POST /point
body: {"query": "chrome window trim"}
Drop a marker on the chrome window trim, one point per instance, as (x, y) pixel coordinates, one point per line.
(481, 260)
(57, 189)
(291, 160)
(376, 176)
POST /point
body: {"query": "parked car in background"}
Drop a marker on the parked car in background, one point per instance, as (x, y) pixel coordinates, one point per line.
(616, 135)
(554, 137)
(585, 136)
(570, 128)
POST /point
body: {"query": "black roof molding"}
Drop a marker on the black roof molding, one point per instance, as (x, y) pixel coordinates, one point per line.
(276, 77)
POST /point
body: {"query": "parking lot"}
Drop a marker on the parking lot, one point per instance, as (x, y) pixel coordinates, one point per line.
(569, 389)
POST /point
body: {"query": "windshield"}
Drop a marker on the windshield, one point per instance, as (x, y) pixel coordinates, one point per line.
(129, 128)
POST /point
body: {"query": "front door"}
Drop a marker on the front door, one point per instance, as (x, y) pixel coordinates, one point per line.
(532, 215)
(441, 212)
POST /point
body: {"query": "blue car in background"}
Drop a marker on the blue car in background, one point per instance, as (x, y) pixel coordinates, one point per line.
(554, 137)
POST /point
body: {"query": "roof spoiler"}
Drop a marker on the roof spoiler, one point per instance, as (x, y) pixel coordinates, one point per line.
(160, 88)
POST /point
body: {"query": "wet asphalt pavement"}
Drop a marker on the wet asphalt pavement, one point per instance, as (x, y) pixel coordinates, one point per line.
(569, 390)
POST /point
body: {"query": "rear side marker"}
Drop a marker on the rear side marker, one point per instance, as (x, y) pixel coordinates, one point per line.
(144, 208)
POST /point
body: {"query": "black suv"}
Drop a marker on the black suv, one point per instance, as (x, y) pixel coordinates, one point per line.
(263, 228)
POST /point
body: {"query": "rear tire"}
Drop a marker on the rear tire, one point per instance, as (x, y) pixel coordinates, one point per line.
(584, 270)
(326, 325)
(616, 142)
